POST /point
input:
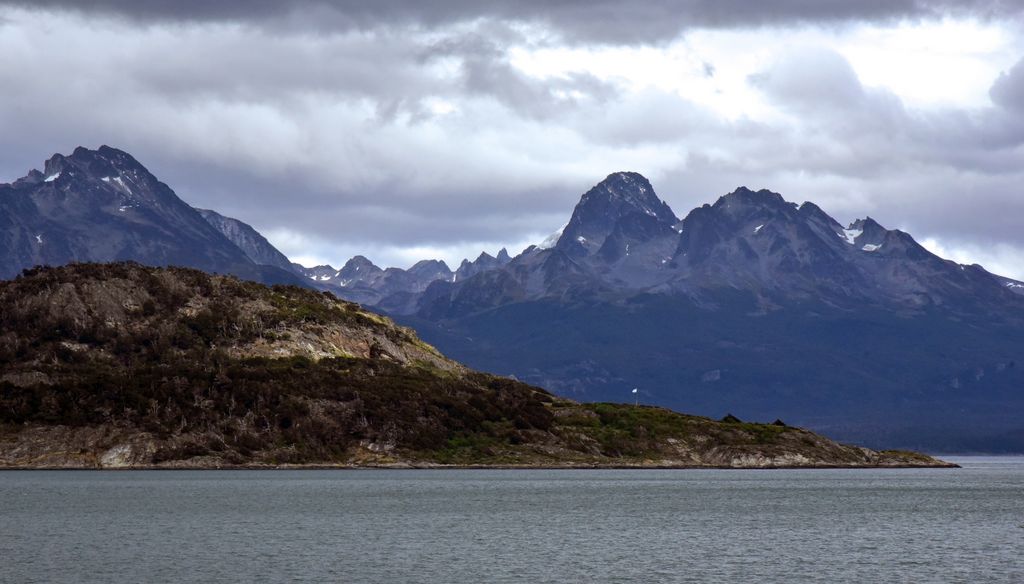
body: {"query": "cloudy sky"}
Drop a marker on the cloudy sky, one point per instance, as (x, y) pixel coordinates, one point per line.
(409, 129)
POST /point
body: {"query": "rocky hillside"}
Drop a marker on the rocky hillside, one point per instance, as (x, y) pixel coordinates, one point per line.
(120, 365)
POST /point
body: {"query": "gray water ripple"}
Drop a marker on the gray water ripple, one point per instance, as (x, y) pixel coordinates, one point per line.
(454, 526)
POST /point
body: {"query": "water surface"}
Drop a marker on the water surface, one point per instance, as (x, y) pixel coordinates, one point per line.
(473, 526)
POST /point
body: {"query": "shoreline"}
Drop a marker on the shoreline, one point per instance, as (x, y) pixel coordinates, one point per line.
(403, 466)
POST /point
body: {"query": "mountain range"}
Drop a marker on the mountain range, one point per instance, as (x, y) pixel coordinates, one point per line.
(752, 304)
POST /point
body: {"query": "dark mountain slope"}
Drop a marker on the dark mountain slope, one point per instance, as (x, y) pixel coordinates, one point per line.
(253, 245)
(102, 205)
(926, 381)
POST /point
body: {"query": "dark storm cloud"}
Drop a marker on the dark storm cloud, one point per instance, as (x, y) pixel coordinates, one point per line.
(611, 21)
(485, 70)
(413, 127)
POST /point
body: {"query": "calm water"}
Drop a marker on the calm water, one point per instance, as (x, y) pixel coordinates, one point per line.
(516, 526)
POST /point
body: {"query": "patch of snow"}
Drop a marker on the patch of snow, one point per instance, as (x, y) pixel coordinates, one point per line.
(871, 247)
(581, 239)
(105, 179)
(52, 177)
(758, 228)
(337, 274)
(324, 278)
(124, 208)
(1014, 285)
(121, 182)
(627, 249)
(550, 241)
(850, 235)
(39, 238)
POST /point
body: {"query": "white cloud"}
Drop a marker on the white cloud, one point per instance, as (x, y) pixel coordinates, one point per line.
(312, 251)
(1002, 259)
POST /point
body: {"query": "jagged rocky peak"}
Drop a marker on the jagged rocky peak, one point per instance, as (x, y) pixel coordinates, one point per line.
(357, 269)
(868, 235)
(92, 171)
(865, 234)
(321, 273)
(741, 212)
(854, 233)
(868, 227)
(430, 270)
(102, 162)
(624, 192)
(744, 204)
(482, 263)
(618, 197)
(359, 264)
(745, 196)
(815, 215)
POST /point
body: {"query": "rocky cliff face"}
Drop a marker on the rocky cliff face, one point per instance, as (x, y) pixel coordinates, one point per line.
(121, 365)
